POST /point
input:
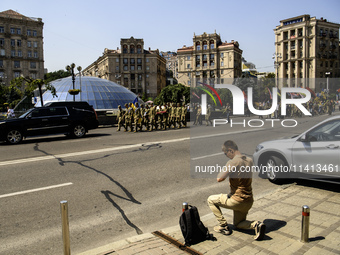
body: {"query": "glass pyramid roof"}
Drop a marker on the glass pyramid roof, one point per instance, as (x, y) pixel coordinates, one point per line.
(100, 93)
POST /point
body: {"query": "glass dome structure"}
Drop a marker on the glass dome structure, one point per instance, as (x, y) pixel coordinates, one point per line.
(100, 93)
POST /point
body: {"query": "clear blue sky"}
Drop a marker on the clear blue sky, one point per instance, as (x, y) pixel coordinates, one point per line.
(78, 31)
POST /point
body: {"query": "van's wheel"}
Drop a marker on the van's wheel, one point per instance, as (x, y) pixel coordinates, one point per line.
(274, 169)
(14, 136)
(78, 131)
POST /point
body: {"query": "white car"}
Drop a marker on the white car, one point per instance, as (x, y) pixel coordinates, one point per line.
(314, 154)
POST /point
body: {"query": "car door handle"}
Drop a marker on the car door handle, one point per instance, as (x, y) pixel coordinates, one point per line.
(332, 146)
(65, 118)
(44, 120)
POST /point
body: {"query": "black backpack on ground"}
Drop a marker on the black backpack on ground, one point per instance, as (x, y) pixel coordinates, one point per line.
(193, 229)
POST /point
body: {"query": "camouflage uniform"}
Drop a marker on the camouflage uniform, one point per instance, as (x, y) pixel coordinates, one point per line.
(152, 115)
(178, 115)
(184, 115)
(136, 118)
(120, 117)
(128, 117)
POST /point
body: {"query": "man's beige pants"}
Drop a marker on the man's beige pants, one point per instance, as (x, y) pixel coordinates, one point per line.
(240, 209)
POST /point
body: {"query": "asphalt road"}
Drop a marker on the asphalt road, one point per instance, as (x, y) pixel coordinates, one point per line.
(117, 184)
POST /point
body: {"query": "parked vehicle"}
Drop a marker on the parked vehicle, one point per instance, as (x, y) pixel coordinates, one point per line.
(314, 154)
(71, 118)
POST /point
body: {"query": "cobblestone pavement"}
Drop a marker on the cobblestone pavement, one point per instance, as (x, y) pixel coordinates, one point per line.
(281, 211)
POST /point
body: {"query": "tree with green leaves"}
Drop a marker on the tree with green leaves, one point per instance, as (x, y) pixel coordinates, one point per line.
(174, 94)
(28, 85)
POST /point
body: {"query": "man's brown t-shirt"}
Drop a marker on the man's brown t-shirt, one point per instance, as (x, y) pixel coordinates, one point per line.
(240, 178)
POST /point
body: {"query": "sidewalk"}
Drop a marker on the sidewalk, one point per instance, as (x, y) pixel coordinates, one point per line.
(281, 211)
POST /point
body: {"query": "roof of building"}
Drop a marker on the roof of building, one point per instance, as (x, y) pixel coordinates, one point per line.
(100, 93)
(16, 15)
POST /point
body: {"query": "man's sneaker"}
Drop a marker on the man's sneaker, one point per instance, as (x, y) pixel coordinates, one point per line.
(260, 229)
(223, 230)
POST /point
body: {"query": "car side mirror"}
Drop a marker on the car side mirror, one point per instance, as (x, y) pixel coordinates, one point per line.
(303, 138)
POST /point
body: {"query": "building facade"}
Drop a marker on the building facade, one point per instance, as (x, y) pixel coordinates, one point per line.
(209, 60)
(171, 62)
(141, 71)
(307, 47)
(21, 47)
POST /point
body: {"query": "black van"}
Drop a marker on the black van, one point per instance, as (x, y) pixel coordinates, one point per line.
(72, 118)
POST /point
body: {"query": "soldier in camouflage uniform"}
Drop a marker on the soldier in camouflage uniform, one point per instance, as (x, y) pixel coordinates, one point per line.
(178, 115)
(120, 117)
(137, 118)
(184, 115)
(128, 117)
(152, 116)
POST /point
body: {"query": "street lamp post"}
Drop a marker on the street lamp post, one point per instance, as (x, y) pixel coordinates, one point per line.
(327, 74)
(276, 56)
(79, 70)
(70, 68)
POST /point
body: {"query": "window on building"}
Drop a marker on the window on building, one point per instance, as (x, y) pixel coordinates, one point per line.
(147, 68)
(125, 61)
(132, 61)
(132, 68)
(188, 66)
(222, 63)
(19, 31)
(212, 44)
(29, 54)
(19, 53)
(188, 57)
(16, 64)
(139, 67)
(222, 71)
(1, 64)
(28, 32)
(35, 33)
(198, 46)
(2, 74)
(35, 44)
(125, 49)
(33, 65)
(2, 30)
(35, 54)
(17, 74)
(147, 60)
(2, 41)
(132, 49)
(13, 53)
(139, 77)
(2, 52)
(139, 61)
(139, 49)
(29, 44)
(125, 68)
(19, 43)
(222, 55)
(117, 60)
(34, 76)
(12, 42)
(117, 68)
(12, 30)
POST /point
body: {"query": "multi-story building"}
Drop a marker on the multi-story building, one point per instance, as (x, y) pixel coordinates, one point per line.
(141, 71)
(209, 60)
(21, 47)
(171, 62)
(307, 47)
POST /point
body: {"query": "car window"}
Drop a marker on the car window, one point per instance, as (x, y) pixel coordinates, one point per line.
(54, 111)
(329, 131)
(40, 112)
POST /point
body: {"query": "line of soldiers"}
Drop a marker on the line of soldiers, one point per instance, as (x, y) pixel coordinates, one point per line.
(135, 118)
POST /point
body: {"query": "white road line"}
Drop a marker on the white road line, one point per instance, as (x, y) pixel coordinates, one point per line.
(81, 153)
(35, 190)
(208, 156)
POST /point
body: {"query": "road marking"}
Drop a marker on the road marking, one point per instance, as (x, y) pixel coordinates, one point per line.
(208, 156)
(110, 149)
(35, 190)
